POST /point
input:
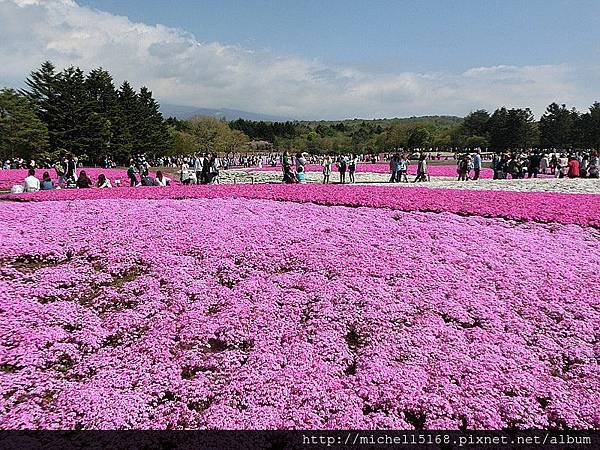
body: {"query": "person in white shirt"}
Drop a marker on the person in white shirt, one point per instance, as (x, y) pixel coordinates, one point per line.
(31, 183)
(161, 180)
(214, 167)
(103, 182)
(198, 164)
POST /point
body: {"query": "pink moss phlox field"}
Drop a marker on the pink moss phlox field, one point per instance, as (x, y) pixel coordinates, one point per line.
(237, 313)
(9, 178)
(434, 171)
(580, 209)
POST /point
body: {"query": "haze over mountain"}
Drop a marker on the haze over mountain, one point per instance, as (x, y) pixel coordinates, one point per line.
(186, 112)
(183, 112)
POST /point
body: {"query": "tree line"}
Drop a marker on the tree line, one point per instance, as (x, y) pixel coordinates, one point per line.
(70, 111)
(84, 115)
(504, 129)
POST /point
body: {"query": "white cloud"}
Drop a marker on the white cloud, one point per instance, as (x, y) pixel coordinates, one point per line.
(181, 70)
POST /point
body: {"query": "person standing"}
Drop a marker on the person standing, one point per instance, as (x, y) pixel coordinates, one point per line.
(342, 167)
(352, 168)
(326, 169)
(544, 164)
(463, 168)
(131, 171)
(476, 164)
(496, 161)
(71, 168)
(60, 168)
(198, 164)
(213, 171)
(573, 170)
(403, 164)
(394, 167)
(300, 162)
(421, 169)
(533, 166)
(286, 163)
(594, 166)
(562, 166)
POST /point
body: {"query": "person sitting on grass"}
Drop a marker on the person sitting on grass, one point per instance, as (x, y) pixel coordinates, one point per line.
(84, 182)
(103, 182)
(147, 180)
(31, 183)
(300, 175)
(47, 184)
(161, 180)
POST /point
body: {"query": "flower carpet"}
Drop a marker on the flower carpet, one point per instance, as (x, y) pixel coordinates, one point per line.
(272, 306)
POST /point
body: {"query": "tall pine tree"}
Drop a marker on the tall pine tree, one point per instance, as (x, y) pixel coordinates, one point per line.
(22, 133)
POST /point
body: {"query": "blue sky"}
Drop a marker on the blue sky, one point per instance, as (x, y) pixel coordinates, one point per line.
(414, 35)
(327, 59)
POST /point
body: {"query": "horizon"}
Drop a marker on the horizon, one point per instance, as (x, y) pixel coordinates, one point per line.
(366, 60)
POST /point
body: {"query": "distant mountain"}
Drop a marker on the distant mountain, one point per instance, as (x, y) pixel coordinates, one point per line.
(185, 112)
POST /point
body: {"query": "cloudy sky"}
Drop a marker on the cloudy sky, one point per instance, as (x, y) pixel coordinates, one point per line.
(310, 59)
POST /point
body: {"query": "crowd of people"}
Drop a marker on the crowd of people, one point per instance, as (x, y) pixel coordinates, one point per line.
(294, 168)
(201, 169)
(66, 177)
(399, 168)
(204, 168)
(558, 164)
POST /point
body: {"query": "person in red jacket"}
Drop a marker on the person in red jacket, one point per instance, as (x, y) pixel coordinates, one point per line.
(573, 168)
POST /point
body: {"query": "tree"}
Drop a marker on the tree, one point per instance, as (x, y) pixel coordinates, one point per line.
(474, 130)
(182, 143)
(419, 137)
(511, 129)
(589, 127)
(557, 126)
(152, 134)
(213, 135)
(476, 123)
(127, 122)
(22, 133)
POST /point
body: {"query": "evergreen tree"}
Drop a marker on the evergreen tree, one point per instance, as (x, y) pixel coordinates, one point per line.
(511, 129)
(589, 127)
(153, 135)
(43, 92)
(127, 123)
(557, 127)
(22, 133)
(103, 104)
